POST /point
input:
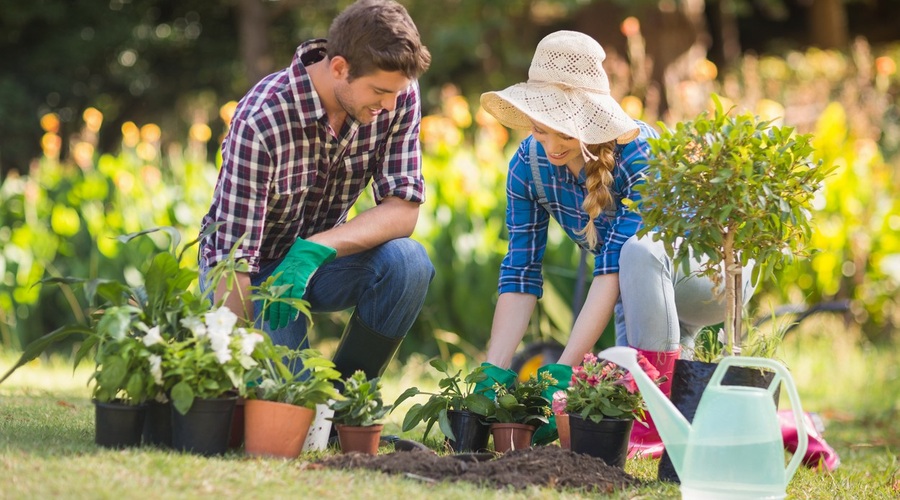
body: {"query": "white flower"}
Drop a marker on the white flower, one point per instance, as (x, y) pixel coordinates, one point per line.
(153, 337)
(223, 355)
(156, 368)
(219, 339)
(197, 327)
(221, 321)
(249, 341)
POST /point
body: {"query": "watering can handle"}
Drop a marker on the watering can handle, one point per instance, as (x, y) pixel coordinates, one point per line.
(781, 373)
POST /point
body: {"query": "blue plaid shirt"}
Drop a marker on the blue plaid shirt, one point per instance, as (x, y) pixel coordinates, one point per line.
(527, 221)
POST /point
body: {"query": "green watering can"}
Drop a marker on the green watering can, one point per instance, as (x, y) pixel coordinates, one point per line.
(733, 449)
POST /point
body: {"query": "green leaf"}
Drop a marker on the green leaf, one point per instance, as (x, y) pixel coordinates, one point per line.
(182, 397)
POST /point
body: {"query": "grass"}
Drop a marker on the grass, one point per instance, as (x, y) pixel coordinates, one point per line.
(47, 449)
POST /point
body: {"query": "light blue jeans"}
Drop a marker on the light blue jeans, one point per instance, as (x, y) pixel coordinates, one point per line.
(660, 308)
(386, 284)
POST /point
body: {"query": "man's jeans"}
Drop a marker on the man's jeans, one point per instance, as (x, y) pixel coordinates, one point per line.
(386, 284)
(660, 308)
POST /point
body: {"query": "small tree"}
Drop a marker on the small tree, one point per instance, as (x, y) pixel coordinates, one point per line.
(730, 188)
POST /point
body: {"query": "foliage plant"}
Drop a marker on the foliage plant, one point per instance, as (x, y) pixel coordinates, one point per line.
(603, 389)
(523, 403)
(361, 404)
(313, 384)
(456, 393)
(726, 188)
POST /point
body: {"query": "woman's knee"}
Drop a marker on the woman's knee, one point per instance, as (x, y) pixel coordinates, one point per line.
(640, 255)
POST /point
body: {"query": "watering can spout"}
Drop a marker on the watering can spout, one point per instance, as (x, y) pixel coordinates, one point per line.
(673, 428)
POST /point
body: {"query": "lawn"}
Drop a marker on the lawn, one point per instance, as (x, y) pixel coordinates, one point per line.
(47, 449)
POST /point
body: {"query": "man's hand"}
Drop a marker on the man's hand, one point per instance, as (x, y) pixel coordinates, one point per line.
(298, 266)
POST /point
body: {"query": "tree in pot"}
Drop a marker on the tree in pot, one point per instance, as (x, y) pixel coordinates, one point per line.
(519, 411)
(357, 412)
(458, 409)
(280, 408)
(722, 190)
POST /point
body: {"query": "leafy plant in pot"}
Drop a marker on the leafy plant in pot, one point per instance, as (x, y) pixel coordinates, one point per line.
(357, 413)
(723, 189)
(457, 408)
(519, 411)
(280, 409)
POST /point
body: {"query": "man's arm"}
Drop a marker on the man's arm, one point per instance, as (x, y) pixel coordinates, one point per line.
(391, 219)
(239, 299)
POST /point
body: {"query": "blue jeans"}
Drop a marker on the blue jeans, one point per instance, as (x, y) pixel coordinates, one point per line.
(386, 284)
(660, 308)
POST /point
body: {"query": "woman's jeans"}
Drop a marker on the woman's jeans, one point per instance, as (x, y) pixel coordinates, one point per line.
(386, 284)
(660, 307)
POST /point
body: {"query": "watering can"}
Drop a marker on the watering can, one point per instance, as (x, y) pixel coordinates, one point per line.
(733, 449)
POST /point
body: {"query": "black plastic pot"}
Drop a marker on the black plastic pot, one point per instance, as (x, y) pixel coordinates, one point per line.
(158, 425)
(118, 425)
(206, 428)
(689, 380)
(606, 439)
(470, 430)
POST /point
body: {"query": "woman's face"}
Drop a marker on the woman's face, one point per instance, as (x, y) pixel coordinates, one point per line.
(561, 149)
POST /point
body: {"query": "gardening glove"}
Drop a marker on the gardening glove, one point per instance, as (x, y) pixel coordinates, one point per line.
(495, 375)
(298, 266)
(546, 433)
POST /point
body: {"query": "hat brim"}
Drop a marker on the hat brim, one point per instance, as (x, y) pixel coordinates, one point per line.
(591, 117)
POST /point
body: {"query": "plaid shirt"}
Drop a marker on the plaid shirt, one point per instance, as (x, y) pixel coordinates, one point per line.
(285, 176)
(527, 221)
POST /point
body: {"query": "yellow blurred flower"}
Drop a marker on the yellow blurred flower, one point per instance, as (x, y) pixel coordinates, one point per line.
(131, 134)
(151, 132)
(226, 112)
(200, 132)
(146, 151)
(150, 175)
(50, 123)
(51, 144)
(83, 154)
(705, 71)
(93, 119)
(768, 109)
(633, 106)
(631, 26)
(884, 65)
(439, 131)
(457, 109)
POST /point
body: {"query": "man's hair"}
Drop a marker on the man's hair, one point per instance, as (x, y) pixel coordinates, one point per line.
(377, 35)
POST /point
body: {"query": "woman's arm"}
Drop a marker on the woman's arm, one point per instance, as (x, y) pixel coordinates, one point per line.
(511, 317)
(592, 320)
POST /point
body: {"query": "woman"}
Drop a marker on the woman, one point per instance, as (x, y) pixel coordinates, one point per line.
(589, 156)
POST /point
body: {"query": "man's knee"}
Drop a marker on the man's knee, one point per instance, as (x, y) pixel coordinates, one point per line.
(410, 261)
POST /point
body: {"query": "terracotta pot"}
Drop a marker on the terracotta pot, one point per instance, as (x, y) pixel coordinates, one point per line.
(606, 439)
(359, 439)
(508, 437)
(562, 427)
(275, 429)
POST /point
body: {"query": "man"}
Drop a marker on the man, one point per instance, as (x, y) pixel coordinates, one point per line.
(303, 145)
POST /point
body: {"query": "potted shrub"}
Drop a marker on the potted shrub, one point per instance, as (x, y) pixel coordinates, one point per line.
(603, 402)
(458, 409)
(280, 409)
(727, 188)
(357, 413)
(519, 411)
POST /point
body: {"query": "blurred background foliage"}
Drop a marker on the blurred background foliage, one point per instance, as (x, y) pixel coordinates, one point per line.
(111, 116)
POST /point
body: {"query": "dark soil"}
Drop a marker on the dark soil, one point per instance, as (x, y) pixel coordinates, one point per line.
(549, 466)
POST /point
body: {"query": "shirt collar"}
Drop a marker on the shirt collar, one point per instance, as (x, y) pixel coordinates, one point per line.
(307, 99)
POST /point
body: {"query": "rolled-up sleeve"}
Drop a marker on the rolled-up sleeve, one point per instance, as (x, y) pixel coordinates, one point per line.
(400, 174)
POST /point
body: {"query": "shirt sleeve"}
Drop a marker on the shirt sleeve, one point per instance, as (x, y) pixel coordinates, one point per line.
(241, 196)
(527, 224)
(400, 174)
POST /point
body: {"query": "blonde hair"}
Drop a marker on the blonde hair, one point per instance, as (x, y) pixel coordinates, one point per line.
(599, 178)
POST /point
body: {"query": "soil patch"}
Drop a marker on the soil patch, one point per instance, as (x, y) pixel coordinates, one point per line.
(549, 466)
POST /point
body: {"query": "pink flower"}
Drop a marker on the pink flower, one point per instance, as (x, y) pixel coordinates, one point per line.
(629, 383)
(560, 400)
(648, 367)
(590, 359)
(593, 380)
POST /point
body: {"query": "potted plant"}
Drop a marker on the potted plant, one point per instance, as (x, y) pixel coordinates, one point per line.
(727, 188)
(458, 409)
(280, 408)
(558, 407)
(603, 402)
(519, 411)
(357, 413)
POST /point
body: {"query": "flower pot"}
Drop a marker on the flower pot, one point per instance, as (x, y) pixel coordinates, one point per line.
(359, 439)
(206, 428)
(562, 428)
(236, 436)
(118, 425)
(275, 429)
(319, 429)
(689, 380)
(606, 439)
(508, 437)
(158, 424)
(470, 430)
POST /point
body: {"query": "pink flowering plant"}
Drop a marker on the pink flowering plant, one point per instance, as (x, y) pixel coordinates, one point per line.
(603, 389)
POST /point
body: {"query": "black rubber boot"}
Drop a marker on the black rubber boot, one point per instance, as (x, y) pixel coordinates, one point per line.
(362, 348)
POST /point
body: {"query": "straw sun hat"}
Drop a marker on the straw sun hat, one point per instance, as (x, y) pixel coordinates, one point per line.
(567, 90)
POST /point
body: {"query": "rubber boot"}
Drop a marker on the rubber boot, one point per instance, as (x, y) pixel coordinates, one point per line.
(819, 454)
(362, 348)
(547, 433)
(645, 441)
(495, 375)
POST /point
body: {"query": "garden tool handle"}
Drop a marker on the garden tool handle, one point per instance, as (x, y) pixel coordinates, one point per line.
(781, 373)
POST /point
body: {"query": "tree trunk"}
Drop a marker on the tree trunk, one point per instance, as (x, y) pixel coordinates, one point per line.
(731, 296)
(828, 24)
(253, 33)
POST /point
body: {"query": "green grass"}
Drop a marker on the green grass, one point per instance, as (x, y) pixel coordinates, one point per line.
(47, 448)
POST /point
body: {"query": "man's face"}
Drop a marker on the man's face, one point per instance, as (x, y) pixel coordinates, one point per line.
(365, 97)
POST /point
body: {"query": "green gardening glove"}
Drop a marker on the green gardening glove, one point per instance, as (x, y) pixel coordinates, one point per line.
(298, 265)
(546, 433)
(495, 375)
